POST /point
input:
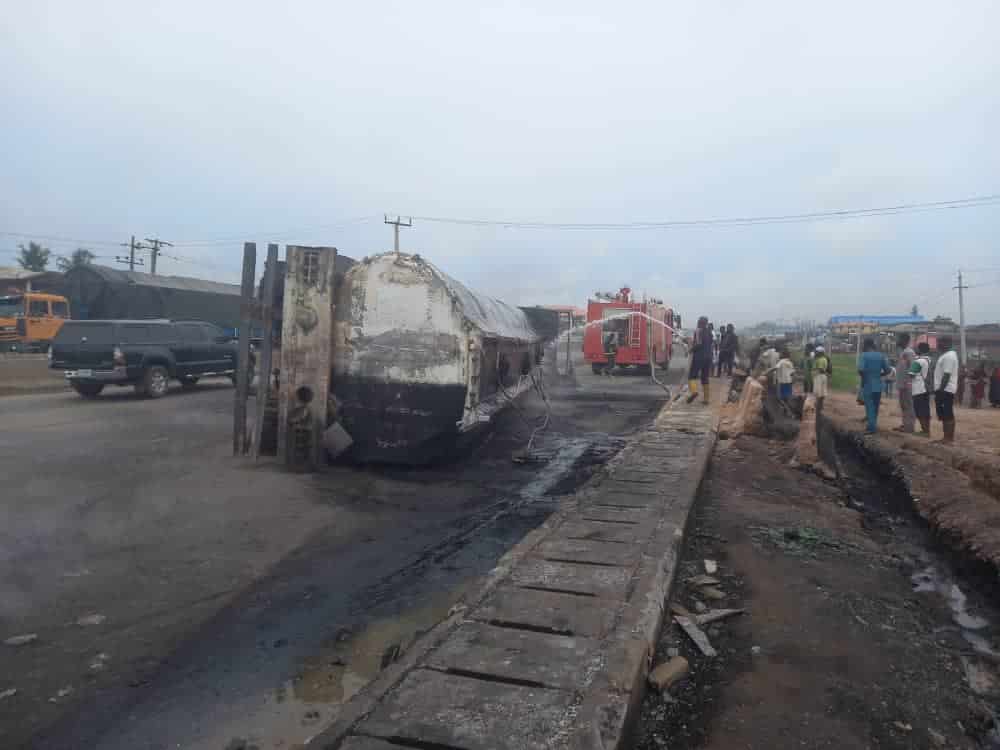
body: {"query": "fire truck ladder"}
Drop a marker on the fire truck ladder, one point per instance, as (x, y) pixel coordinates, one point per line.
(635, 332)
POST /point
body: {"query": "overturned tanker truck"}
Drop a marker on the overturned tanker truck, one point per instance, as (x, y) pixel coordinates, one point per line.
(421, 362)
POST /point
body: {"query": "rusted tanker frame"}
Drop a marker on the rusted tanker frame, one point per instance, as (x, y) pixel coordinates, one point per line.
(305, 357)
(306, 354)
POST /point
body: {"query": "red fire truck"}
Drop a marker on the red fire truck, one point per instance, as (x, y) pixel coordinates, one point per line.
(635, 337)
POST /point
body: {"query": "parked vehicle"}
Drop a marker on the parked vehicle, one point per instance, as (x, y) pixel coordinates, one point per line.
(145, 354)
(31, 320)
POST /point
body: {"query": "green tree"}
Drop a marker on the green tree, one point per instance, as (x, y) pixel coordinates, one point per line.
(80, 257)
(34, 257)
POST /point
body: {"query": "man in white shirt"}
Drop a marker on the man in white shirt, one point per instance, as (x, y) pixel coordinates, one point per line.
(920, 371)
(946, 383)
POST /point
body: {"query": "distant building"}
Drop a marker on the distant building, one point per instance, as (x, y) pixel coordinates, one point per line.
(843, 324)
(19, 281)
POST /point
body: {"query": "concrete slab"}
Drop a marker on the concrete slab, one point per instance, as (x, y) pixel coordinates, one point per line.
(430, 707)
(628, 475)
(568, 614)
(593, 553)
(597, 580)
(651, 502)
(615, 514)
(367, 743)
(603, 531)
(622, 486)
(555, 661)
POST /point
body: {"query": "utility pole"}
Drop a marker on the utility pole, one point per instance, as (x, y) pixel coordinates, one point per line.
(154, 251)
(396, 224)
(132, 246)
(961, 317)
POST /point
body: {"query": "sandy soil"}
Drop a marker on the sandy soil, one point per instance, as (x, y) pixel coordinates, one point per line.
(838, 648)
(977, 431)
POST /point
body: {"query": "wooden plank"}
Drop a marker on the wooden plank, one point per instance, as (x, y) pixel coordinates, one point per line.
(431, 709)
(696, 634)
(267, 343)
(556, 661)
(243, 356)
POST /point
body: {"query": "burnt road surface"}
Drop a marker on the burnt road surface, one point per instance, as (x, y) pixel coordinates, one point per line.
(184, 598)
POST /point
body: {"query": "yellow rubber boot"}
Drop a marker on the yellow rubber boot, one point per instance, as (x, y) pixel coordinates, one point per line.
(693, 390)
(704, 394)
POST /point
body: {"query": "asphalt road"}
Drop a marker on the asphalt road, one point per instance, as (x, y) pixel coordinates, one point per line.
(236, 600)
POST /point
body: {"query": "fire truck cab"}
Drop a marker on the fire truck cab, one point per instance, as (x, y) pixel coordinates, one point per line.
(637, 329)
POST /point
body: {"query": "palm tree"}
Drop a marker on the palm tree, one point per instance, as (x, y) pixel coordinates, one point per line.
(34, 257)
(80, 257)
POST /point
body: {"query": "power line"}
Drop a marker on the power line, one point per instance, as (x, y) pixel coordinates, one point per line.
(982, 200)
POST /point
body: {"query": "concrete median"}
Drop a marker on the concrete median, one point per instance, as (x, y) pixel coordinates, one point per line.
(554, 647)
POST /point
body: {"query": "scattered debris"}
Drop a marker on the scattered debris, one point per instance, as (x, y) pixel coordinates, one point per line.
(710, 592)
(680, 609)
(21, 640)
(711, 567)
(717, 614)
(94, 619)
(61, 693)
(700, 606)
(755, 650)
(937, 738)
(695, 634)
(703, 580)
(669, 672)
(8, 693)
(99, 662)
(902, 727)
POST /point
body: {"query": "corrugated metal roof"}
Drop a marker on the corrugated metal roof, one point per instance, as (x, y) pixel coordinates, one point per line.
(137, 278)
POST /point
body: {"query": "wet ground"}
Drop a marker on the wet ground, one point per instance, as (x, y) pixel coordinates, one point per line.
(859, 631)
(239, 604)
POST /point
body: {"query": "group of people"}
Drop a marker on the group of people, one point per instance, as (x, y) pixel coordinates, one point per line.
(709, 350)
(983, 384)
(915, 383)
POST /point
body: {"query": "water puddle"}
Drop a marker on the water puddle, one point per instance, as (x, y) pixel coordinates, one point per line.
(933, 579)
(303, 706)
(980, 673)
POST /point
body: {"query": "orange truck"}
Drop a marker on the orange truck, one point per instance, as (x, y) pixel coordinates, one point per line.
(31, 320)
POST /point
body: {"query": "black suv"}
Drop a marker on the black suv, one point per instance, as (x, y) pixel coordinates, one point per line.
(141, 353)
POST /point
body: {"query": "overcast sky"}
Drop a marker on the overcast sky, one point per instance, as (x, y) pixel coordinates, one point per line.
(235, 121)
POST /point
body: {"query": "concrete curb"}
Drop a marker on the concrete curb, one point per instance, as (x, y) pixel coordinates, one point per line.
(606, 704)
(356, 709)
(611, 705)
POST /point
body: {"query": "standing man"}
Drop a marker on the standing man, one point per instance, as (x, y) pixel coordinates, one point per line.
(727, 351)
(946, 382)
(610, 351)
(821, 377)
(904, 382)
(785, 373)
(919, 375)
(701, 360)
(756, 352)
(872, 367)
(807, 368)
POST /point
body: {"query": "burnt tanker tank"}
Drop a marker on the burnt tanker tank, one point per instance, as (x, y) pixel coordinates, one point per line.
(421, 361)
